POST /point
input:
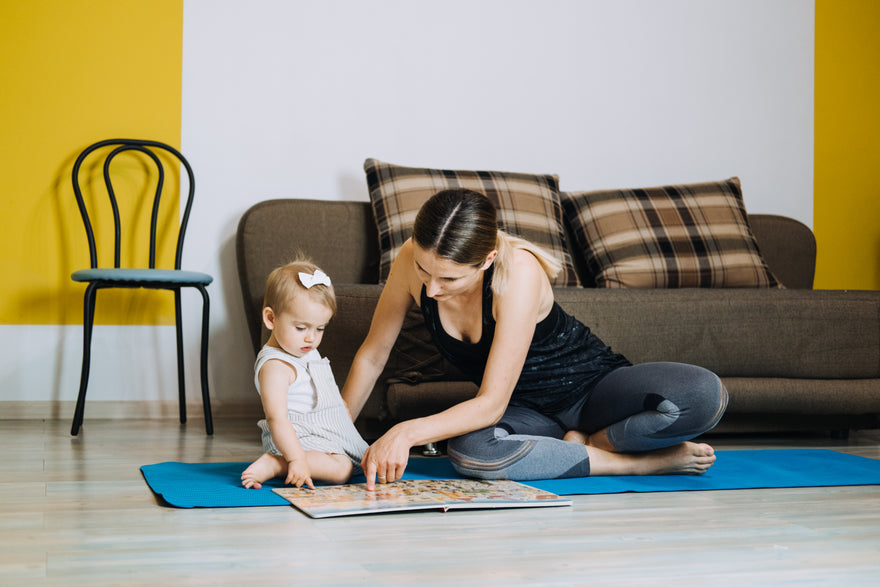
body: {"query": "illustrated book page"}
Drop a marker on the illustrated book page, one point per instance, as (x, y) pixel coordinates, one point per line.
(416, 494)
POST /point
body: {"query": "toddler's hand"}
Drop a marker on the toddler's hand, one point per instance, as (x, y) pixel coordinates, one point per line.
(298, 473)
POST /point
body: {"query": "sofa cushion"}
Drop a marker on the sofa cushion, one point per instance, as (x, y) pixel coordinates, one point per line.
(810, 334)
(528, 206)
(694, 235)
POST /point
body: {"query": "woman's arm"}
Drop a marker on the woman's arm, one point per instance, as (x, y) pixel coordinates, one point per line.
(526, 301)
(369, 361)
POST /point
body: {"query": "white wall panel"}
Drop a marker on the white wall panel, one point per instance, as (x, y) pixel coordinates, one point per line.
(287, 98)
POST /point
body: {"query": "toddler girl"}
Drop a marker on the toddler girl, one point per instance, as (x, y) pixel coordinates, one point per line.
(308, 433)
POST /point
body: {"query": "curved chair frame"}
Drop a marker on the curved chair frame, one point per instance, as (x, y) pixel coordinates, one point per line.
(149, 278)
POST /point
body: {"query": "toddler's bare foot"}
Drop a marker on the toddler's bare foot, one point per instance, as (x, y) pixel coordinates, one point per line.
(268, 466)
(576, 436)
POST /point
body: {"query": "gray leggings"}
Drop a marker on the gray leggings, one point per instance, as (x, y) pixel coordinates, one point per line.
(643, 407)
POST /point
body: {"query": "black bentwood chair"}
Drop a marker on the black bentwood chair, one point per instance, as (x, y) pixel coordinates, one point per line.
(145, 277)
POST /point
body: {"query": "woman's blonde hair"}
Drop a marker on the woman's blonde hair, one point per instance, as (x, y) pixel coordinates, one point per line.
(461, 225)
(284, 284)
(506, 243)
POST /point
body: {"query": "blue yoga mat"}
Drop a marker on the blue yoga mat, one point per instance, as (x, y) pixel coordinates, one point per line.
(189, 485)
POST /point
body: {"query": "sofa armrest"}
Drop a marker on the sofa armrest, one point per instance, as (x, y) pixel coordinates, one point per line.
(340, 237)
(788, 247)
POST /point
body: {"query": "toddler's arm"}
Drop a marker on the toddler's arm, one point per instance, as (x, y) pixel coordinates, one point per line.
(275, 377)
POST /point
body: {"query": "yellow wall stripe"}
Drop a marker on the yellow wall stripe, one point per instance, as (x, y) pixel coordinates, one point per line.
(847, 149)
(71, 73)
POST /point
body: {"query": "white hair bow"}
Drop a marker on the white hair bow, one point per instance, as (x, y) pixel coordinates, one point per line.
(318, 278)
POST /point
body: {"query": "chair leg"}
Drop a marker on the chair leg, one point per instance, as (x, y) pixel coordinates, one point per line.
(430, 450)
(206, 398)
(178, 327)
(88, 323)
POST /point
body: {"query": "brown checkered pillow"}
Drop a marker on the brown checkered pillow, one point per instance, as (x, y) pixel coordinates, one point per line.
(528, 206)
(694, 235)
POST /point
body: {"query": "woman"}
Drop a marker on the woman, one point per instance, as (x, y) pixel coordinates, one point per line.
(553, 400)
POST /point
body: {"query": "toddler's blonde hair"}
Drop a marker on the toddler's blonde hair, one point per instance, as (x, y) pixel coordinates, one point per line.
(283, 285)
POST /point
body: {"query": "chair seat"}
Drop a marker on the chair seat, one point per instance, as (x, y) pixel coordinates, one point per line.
(154, 276)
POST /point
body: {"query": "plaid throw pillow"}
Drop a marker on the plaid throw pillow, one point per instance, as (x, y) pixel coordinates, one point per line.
(528, 206)
(694, 235)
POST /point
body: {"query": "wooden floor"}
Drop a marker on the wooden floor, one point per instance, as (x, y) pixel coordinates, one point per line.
(76, 511)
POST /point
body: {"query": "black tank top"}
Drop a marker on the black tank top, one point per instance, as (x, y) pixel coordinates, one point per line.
(564, 362)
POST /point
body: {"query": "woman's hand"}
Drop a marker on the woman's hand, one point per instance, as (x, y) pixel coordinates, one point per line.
(385, 461)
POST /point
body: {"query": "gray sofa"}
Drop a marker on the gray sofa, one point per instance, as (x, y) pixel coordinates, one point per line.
(793, 358)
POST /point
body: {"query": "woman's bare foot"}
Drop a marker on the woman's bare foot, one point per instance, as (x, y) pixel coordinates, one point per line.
(687, 458)
(268, 466)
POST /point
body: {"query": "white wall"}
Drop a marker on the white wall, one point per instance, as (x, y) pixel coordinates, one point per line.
(287, 98)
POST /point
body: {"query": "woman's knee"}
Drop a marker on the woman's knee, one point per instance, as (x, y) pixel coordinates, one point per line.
(483, 455)
(698, 395)
(471, 446)
(720, 405)
(708, 397)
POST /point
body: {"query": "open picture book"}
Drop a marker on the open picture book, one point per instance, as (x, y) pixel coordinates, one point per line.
(416, 494)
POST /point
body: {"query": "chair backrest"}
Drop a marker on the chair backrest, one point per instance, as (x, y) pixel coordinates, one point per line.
(151, 149)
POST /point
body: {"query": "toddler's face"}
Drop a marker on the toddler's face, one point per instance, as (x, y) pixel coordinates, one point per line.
(299, 328)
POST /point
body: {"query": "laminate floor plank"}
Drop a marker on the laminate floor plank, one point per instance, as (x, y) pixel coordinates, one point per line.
(76, 511)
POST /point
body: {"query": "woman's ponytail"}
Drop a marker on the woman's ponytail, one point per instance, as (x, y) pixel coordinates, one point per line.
(505, 245)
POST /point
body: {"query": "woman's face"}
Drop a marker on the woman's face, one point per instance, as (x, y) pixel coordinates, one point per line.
(443, 278)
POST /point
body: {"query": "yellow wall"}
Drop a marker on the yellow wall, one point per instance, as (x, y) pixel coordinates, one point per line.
(73, 72)
(847, 144)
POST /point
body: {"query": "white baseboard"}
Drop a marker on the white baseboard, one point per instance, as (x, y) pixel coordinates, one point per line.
(121, 410)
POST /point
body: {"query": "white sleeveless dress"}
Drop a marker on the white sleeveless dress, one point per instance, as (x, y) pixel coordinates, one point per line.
(325, 427)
